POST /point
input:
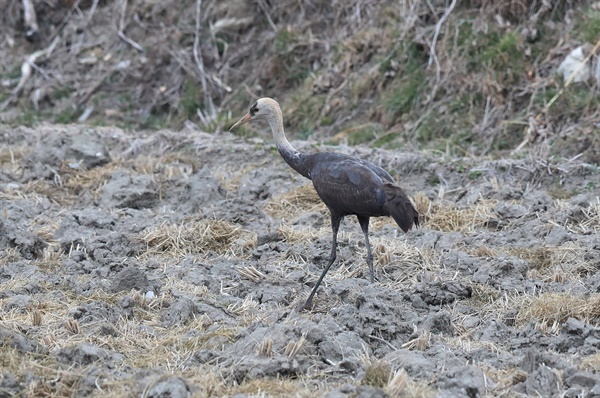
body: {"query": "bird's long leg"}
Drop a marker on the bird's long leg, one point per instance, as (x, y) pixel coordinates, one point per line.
(364, 224)
(335, 226)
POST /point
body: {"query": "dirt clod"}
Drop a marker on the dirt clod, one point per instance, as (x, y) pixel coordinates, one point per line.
(180, 281)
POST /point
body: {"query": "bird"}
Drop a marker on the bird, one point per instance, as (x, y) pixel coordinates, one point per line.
(347, 185)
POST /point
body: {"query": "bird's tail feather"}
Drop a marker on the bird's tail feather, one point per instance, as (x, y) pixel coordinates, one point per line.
(400, 206)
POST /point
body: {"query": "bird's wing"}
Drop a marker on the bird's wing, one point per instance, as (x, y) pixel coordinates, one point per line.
(349, 186)
(384, 175)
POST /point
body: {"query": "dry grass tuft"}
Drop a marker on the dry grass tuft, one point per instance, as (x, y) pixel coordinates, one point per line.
(12, 155)
(197, 236)
(591, 363)
(422, 204)
(552, 309)
(400, 261)
(69, 183)
(170, 165)
(266, 348)
(72, 326)
(590, 222)
(244, 307)
(377, 373)
(447, 217)
(251, 273)
(293, 347)
(77, 181)
(420, 343)
(491, 302)
(295, 202)
(397, 383)
(36, 318)
(49, 380)
(274, 387)
(554, 263)
(9, 255)
(401, 385)
(482, 251)
(299, 234)
(537, 257)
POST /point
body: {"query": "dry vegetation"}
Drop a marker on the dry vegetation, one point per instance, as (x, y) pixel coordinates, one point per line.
(466, 77)
(505, 261)
(197, 236)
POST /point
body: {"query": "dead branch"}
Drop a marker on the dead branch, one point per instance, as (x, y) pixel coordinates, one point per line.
(208, 102)
(91, 14)
(121, 32)
(63, 23)
(94, 88)
(409, 21)
(330, 95)
(30, 19)
(432, 55)
(26, 69)
(263, 7)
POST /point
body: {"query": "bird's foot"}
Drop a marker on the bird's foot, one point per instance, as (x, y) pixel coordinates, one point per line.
(308, 306)
(373, 278)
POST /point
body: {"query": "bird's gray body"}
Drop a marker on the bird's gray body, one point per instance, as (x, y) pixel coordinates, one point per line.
(349, 185)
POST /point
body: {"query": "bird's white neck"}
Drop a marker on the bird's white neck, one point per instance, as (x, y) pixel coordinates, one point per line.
(292, 157)
(276, 123)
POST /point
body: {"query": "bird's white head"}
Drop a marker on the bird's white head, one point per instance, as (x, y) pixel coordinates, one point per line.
(263, 109)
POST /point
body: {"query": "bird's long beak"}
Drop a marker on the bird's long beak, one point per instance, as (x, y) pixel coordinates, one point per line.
(245, 119)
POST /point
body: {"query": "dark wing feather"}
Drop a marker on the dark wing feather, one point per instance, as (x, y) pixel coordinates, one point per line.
(384, 175)
(348, 185)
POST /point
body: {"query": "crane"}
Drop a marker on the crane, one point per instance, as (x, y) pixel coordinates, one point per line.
(346, 184)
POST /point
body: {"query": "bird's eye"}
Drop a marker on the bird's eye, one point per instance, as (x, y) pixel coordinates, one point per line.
(253, 110)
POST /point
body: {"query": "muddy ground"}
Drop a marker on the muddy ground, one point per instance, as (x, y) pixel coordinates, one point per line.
(166, 264)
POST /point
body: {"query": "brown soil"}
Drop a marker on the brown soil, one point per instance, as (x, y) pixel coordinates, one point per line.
(146, 252)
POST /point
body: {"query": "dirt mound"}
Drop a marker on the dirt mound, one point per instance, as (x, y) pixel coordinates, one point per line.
(170, 264)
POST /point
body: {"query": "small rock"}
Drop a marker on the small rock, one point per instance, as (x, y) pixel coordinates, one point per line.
(83, 354)
(574, 65)
(557, 236)
(543, 382)
(11, 235)
(583, 379)
(10, 386)
(106, 329)
(343, 391)
(465, 381)
(443, 292)
(414, 362)
(510, 210)
(19, 342)
(130, 278)
(87, 152)
(178, 312)
(439, 323)
(343, 345)
(574, 326)
(129, 191)
(171, 387)
(268, 238)
(470, 322)
(18, 302)
(369, 392)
